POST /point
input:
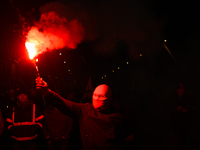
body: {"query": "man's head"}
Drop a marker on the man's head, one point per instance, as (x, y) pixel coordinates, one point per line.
(22, 97)
(101, 97)
(11, 93)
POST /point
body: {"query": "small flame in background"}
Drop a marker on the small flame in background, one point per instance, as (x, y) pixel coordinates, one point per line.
(53, 32)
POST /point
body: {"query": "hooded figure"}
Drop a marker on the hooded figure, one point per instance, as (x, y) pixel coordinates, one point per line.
(97, 127)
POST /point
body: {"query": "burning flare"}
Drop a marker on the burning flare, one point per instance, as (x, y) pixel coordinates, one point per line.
(31, 49)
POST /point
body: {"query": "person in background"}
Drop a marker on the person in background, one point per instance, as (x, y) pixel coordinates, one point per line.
(24, 120)
(180, 110)
(8, 101)
(97, 123)
(37, 98)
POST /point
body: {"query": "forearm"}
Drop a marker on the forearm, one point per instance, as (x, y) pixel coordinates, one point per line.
(65, 106)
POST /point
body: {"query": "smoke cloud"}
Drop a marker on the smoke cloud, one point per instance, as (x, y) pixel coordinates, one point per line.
(55, 32)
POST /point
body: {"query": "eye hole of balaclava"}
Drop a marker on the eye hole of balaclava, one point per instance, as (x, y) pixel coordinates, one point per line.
(101, 97)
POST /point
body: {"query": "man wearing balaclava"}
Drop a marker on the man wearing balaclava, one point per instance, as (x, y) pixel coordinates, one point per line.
(97, 126)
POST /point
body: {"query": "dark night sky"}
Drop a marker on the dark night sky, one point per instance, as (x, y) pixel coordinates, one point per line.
(116, 32)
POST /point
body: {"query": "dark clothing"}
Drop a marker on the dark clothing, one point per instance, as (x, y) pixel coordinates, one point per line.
(57, 144)
(6, 105)
(86, 100)
(98, 130)
(31, 146)
(38, 100)
(57, 125)
(1, 123)
(24, 122)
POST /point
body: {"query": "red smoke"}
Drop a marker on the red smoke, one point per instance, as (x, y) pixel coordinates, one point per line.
(55, 32)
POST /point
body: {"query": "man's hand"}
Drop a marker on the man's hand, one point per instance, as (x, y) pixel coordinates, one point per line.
(42, 86)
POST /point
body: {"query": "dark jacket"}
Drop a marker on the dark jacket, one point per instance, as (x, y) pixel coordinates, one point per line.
(98, 130)
(24, 121)
(1, 123)
(57, 125)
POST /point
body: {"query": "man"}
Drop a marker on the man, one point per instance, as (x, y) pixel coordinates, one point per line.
(181, 110)
(24, 120)
(96, 123)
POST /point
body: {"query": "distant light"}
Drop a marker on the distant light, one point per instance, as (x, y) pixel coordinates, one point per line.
(36, 67)
(127, 62)
(113, 70)
(140, 55)
(64, 62)
(118, 68)
(165, 41)
(101, 77)
(69, 70)
(70, 73)
(7, 106)
(60, 53)
(36, 60)
(104, 75)
(74, 81)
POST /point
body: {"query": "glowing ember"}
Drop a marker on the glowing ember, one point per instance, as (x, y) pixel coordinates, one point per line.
(31, 49)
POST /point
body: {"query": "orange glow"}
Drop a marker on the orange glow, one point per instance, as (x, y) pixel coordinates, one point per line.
(31, 49)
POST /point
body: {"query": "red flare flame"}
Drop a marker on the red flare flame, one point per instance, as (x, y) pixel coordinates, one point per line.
(31, 49)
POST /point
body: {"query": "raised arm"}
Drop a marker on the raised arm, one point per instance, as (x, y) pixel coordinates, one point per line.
(65, 106)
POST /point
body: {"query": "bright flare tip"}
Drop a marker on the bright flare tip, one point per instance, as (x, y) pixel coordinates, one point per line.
(31, 49)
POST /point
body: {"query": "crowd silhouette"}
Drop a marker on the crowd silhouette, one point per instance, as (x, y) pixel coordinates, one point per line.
(31, 120)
